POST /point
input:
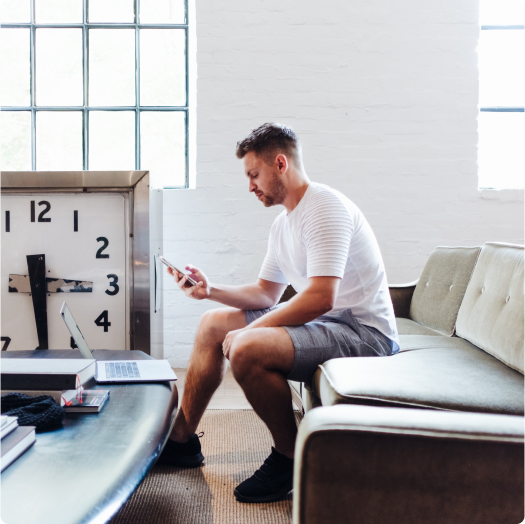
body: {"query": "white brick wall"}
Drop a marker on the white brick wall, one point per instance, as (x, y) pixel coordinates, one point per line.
(384, 98)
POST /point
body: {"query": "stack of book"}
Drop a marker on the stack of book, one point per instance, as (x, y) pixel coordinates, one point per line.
(62, 379)
(15, 440)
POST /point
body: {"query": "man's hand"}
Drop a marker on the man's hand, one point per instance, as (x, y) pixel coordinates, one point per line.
(198, 292)
(228, 341)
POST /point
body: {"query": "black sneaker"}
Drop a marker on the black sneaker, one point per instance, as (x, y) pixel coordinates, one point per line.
(187, 455)
(273, 481)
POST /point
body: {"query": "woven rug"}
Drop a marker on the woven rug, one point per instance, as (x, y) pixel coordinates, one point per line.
(235, 444)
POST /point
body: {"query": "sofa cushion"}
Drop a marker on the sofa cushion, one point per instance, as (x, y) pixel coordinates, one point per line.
(491, 315)
(441, 287)
(409, 327)
(429, 372)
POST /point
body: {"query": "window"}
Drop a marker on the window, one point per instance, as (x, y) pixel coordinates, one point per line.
(95, 84)
(501, 121)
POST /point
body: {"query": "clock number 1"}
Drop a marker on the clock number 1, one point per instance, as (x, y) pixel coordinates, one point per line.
(104, 246)
(102, 321)
(42, 213)
(113, 284)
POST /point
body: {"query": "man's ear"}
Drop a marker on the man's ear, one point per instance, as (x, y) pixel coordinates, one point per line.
(281, 163)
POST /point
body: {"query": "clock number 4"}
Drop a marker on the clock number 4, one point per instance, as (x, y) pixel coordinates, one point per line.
(102, 321)
(42, 213)
(105, 244)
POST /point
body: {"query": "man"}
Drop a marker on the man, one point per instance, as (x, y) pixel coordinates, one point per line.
(322, 245)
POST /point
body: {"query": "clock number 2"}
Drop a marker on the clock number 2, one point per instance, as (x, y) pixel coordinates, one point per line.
(113, 284)
(102, 321)
(42, 213)
(104, 246)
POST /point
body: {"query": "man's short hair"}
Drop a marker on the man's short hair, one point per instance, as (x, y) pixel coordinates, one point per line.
(270, 140)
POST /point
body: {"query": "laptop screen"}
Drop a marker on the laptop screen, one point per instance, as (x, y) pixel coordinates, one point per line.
(75, 332)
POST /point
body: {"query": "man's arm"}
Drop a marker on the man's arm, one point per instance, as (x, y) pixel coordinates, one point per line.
(315, 300)
(262, 294)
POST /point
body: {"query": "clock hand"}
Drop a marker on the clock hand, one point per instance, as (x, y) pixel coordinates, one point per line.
(36, 266)
(20, 284)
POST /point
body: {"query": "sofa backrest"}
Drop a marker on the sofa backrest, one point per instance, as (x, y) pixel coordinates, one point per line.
(491, 315)
(441, 287)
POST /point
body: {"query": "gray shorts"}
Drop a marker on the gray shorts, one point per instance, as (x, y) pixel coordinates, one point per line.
(329, 336)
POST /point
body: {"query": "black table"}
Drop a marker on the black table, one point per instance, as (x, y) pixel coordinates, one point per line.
(84, 472)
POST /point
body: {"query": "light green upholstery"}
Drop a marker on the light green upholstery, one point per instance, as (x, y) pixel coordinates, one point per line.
(441, 287)
(430, 372)
(491, 315)
(372, 465)
(406, 326)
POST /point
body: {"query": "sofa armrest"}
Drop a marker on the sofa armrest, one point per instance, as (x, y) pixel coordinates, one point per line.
(401, 295)
(371, 464)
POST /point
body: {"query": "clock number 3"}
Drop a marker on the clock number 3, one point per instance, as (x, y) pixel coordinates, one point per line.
(102, 321)
(113, 284)
(105, 244)
(42, 213)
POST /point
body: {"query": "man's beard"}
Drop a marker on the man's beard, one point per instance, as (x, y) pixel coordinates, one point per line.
(276, 193)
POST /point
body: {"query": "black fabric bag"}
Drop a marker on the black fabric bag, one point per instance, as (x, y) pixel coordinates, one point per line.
(42, 411)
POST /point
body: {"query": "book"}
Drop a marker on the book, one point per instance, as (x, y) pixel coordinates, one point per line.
(45, 374)
(61, 397)
(92, 401)
(16, 443)
(8, 424)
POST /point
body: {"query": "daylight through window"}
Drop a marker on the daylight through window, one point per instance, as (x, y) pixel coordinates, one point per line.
(501, 121)
(95, 84)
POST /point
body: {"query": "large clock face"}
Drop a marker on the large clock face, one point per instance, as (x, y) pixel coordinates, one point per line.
(57, 247)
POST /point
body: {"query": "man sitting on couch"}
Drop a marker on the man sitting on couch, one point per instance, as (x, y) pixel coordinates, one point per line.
(323, 246)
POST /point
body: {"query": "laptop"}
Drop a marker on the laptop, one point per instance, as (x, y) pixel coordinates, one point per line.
(118, 371)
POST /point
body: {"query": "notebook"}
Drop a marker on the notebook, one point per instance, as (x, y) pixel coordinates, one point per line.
(118, 371)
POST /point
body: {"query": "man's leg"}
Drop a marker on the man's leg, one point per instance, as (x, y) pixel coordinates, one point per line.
(206, 368)
(260, 359)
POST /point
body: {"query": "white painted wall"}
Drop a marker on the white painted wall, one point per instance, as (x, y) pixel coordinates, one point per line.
(384, 98)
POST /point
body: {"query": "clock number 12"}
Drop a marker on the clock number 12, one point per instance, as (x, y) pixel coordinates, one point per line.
(102, 321)
(42, 213)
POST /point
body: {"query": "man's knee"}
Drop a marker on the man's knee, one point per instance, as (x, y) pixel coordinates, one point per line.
(243, 358)
(216, 323)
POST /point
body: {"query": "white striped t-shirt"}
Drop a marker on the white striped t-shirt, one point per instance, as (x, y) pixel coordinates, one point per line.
(327, 235)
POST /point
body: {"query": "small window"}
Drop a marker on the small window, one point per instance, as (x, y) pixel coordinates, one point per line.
(501, 123)
(95, 84)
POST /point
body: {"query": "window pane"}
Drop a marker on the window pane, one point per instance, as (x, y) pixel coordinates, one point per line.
(116, 11)
(112, 67)
(162, 67)
(58, 11)
(59, 67)
(501, 152)
(162, 12)
(59, 140)
(111, 140)
(501, 71)
(15, 140)
(163, 147)
(15, 11)
(15, 67)
(502, 12)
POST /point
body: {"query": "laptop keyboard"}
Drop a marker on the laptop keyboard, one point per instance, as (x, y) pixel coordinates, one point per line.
(122, 370)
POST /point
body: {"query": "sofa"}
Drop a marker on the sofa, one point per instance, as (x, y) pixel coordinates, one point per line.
(435, 433)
